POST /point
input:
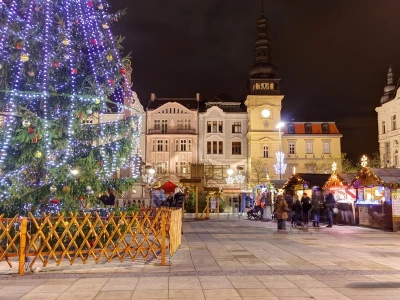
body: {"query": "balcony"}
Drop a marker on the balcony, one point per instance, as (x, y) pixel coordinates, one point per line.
(172, 131)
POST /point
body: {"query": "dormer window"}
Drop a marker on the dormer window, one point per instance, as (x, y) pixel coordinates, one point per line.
(290, 127)
(308, 128)
(325, 128)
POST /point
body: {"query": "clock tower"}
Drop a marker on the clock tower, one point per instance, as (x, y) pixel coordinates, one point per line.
(264, 103)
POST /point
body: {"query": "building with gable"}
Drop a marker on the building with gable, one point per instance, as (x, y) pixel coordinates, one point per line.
(388, 130)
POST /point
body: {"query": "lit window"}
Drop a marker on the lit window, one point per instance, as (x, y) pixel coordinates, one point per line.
(236, 127)
(326, 147)
(309, 147)
(180, 125)
(183, 145)
(220, 127)
(160, 145)
(209, 125)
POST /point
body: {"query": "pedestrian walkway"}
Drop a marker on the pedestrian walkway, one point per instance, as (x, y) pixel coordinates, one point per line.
(234, 258)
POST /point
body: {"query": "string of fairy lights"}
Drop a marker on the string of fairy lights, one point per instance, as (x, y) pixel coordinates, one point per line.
(103, 59)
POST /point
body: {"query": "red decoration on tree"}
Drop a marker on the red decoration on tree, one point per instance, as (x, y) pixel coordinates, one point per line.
(76, 21)
(81, 198)
(35, 140)
(31, 130)
(116, 19)
(100, 163)
(90, 4)
(74, 71)
(54, 201)
(110, 81)
(56, 64)
(122, 71)
(18, 46)
(93, 41)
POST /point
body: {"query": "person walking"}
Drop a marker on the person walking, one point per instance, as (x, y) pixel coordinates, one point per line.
(258, 207)
(315, 209)
(329, 206)
(306, 206)
(281, 212)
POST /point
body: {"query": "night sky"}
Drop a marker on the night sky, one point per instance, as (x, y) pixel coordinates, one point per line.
(332, 56)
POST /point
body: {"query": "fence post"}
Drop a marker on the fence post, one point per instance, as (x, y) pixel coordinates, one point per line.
(163, 237)
(22, 246)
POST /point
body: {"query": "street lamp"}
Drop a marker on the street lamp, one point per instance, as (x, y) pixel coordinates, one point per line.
(230, 180)
(280, 158)
(150, 180)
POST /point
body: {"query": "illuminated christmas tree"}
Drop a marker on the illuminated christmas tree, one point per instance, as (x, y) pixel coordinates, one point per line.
(66, 122)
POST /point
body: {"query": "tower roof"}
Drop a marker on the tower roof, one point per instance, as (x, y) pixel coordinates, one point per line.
(390, 89)
(263, 67)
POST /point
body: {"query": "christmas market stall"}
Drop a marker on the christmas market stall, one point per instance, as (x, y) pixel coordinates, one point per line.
(308, 183)
(377, 198)
(344, 194)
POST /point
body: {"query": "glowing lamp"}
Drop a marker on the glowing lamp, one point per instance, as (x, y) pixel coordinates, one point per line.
(24, 57)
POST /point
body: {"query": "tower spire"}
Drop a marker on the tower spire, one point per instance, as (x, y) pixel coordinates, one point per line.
(389, 89)
(262, 7)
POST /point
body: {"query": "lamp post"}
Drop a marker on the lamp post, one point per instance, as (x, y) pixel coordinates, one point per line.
(150, 180)
(279, 126)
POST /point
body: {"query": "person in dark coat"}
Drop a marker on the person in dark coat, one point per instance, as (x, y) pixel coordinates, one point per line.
(296, 207)
(315, 209)
(329, 206)
(306, 206)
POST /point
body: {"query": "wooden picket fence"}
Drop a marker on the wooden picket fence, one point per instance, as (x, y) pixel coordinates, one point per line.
(149, 233)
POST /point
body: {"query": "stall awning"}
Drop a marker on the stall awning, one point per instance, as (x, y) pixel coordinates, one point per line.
(310, 180)
(231, 190)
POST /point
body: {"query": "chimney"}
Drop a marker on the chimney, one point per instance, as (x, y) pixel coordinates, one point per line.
(197, 97)
(152, 97)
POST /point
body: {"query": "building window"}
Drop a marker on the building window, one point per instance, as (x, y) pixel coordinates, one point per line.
(214, 147)
(292, 149)
(291, 128)
(220, 127)
(325, 128)
(159, 167)
(383, 127)
(394, 122)
(189, 145)
(160, 145)
(157, 124)
(216, 172)
(154, 145)
(396, 158)
(309, 147)
(166, 146)
(176, 145)
(214, 126)
(236, 127)
(176, 167)
(187, 124)
(183, 167)
(266, 154)
(209, 125)
(180, 125)
(236, 148)
(164, 126)
(326, 147)
(308, 128)
(183, 145)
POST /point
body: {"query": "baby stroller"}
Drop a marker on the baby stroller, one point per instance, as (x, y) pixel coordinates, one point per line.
(297, 220)
(254, 213)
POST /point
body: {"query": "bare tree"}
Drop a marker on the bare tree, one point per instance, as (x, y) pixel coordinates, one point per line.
(258, 173)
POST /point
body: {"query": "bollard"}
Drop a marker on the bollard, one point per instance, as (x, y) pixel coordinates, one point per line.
(22, 246)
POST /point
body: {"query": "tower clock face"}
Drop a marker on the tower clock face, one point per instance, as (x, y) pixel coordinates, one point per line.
(265, 113)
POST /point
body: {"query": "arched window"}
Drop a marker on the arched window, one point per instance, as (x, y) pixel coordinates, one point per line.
(308, 128)
(266, 151)
(396, 158)
(291, 128)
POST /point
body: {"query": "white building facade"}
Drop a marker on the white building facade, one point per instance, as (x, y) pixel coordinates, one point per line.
(222, 136)
(388, 125)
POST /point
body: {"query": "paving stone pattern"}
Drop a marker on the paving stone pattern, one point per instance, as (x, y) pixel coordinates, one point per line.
(233, 258)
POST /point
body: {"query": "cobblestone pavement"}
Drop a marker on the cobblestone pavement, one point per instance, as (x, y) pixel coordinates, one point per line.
(234, 258)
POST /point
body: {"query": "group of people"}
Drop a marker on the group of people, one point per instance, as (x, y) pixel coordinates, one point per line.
(302, 209)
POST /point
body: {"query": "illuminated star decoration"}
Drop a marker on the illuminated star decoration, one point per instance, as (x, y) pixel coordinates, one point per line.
(280, 166)
(364, 161)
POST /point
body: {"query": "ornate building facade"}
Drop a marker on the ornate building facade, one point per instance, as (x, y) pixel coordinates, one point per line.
(388, 128)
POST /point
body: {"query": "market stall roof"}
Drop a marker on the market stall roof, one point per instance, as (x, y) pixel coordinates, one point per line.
(377, 176)
(278, 183)
(305, 178)
(336, 179)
